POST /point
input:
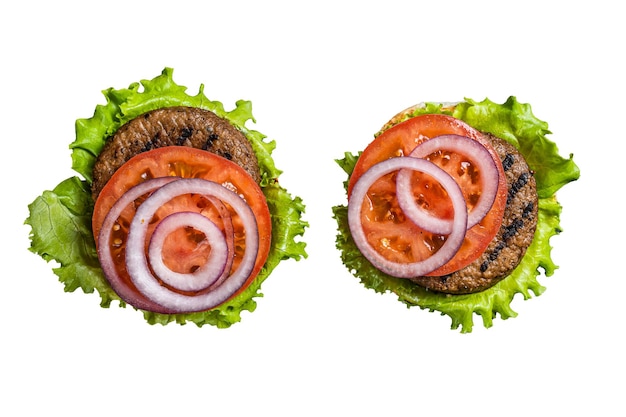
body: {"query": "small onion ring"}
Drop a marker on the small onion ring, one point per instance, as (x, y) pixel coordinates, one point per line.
(137, 263)
(458, 144)
(207, 273)
(445, 252)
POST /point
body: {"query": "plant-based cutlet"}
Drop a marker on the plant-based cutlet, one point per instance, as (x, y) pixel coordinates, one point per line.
(174, 126)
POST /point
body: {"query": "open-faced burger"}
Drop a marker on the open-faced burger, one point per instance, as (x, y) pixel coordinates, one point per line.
(179, 212)
(452, 207)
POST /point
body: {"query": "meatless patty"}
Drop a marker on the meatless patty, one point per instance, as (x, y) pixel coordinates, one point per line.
(515, 235)
(173, 126)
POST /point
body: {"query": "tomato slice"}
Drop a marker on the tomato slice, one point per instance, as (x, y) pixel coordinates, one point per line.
(184, 249)
(396, 237)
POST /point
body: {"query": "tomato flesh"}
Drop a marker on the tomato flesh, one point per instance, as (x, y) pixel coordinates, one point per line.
(398, 238)
(185, 249)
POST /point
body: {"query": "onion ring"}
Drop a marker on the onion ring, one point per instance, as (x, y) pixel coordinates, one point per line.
(454, 238)
(119, 285)
(461, 145)
(137, 262)
(207, 273)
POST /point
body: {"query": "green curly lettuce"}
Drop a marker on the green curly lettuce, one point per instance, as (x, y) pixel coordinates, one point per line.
(60, 219)
(515, 123)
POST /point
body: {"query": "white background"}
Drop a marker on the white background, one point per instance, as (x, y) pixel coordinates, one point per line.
(323, 78)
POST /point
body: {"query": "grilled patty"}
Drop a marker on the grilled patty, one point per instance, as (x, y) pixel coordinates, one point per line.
(515, 235)
(173, 126)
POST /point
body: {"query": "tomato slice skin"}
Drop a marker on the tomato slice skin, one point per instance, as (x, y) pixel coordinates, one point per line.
(400, 140)
(185, 162)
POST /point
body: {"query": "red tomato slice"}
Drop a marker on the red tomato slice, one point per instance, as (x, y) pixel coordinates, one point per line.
(397, 238)
(184, 249)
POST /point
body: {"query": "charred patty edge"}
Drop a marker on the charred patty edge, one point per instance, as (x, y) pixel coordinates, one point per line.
(514, 237)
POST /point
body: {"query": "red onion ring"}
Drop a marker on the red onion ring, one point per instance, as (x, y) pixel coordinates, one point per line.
(478, 154)
(454, 238)
(119, 285)
(207, 273)
(137, 262)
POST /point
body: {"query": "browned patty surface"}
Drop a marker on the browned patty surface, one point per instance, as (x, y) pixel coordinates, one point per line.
(173, 126)
(515, 235)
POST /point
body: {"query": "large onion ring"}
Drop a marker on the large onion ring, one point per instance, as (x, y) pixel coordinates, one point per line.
(119, 285)
(453, 240)
(478, 154)
(137, 262)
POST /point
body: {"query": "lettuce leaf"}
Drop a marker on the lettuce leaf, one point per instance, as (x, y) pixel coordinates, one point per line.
(515, 123)
(60, 219)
